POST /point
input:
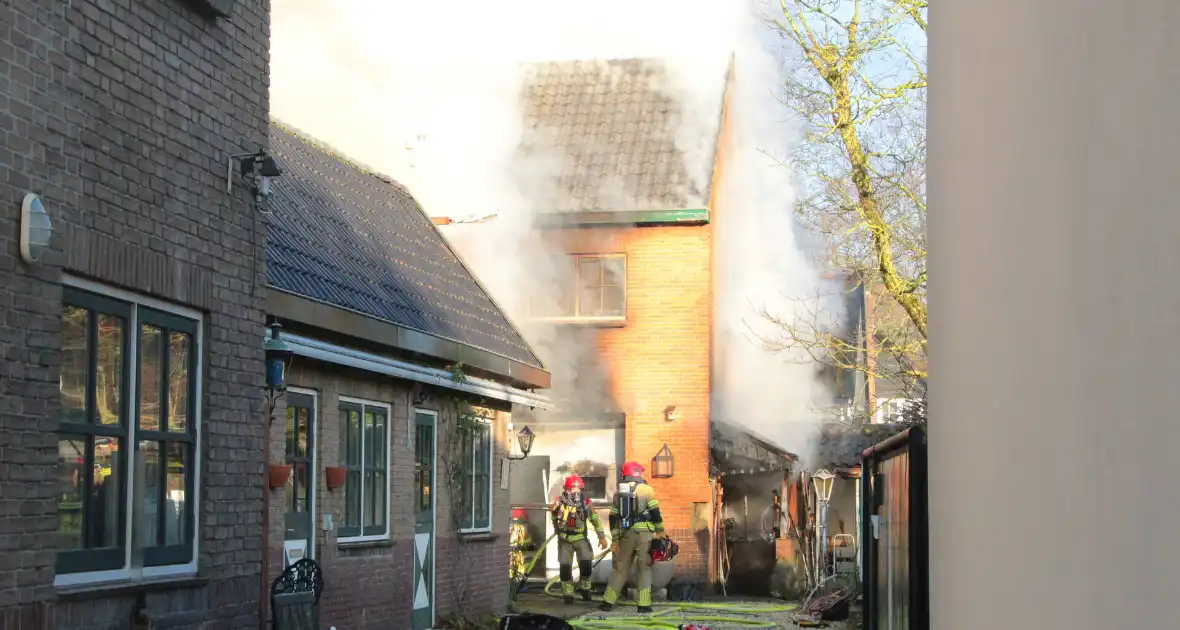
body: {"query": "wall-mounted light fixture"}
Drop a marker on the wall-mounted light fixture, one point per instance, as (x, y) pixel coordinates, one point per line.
(663, 465)
(524, 439)
(257, 168)
(420, 395)
(36, 229)
(278, 358)
(670, 413)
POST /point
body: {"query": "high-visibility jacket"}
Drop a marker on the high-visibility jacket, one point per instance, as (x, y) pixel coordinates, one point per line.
(570, 519)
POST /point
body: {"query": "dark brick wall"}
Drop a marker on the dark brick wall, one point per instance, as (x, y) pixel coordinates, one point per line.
(120, 113)
(370, 586)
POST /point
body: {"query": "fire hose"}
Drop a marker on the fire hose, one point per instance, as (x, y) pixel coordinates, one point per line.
(670, 616)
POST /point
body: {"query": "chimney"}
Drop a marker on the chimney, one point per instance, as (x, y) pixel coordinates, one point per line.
(441, 220)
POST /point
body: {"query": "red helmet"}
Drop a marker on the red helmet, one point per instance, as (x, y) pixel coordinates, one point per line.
(574, 481)
(633, 469)
(519, 514)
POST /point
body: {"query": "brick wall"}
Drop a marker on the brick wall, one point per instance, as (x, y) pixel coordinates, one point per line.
(369, 585)
(661, 358)
(120, 114)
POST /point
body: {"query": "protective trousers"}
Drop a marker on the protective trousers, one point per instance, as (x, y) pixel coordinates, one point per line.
(566, 550)
(634, 550)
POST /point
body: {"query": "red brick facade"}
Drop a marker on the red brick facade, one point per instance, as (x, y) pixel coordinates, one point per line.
(369, 584)
(660, 358)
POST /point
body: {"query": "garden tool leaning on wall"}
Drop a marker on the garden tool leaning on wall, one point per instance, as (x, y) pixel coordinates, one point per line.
(635, 521)
(572, 514)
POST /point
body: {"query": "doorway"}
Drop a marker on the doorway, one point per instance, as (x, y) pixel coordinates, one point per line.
(425, 447)
(299, 493)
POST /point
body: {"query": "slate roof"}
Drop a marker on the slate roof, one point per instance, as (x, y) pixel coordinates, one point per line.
(356, 239)
(841, 446)
(614, 131)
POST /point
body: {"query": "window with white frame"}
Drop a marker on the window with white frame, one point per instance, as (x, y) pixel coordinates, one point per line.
(364, 443)
(127, 435)
(594, 289)
(475, 500)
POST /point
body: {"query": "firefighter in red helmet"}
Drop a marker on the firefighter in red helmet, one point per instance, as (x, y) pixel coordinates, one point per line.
(635, 521)
(519, 542)
(571, 514)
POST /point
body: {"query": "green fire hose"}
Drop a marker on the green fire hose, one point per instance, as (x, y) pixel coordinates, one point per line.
(672, 615)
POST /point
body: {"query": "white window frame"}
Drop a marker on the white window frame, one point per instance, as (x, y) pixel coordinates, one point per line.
(130, 573)
(577, 317)
(388, 466)
(491, 482)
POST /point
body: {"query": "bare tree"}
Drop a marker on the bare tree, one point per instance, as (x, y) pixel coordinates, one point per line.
(860, 90)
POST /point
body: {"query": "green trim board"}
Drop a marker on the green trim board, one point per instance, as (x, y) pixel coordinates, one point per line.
(683, 216)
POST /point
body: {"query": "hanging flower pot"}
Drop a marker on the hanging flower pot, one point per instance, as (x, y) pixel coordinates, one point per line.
(335, 476)
(279, 474)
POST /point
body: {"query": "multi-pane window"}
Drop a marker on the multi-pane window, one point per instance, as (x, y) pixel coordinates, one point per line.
(475, 500)
(364, 442)
(128, 424)
(596, 289)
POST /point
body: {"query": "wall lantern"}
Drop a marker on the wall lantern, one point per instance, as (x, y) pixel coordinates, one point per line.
(670, 413)
(278, 357)
(663, 465)
(524, 439)
(35, 229)
(257, 168)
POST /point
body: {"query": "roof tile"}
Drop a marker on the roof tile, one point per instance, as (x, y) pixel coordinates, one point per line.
(610, 126)
(358, 240)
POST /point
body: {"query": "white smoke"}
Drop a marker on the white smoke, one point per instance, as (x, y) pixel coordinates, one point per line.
(429, 92)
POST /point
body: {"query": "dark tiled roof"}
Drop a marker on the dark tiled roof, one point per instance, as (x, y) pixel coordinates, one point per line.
(358, 240)
(841, 446)
(614, 131)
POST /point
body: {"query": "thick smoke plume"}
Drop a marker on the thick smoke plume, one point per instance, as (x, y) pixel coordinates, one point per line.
(429, 92)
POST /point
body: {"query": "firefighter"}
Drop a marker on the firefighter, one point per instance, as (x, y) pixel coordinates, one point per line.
(635, 521)
(571, 514)
(519, 542)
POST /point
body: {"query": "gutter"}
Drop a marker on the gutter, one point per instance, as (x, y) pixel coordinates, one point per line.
(341, 355)
(319, 314)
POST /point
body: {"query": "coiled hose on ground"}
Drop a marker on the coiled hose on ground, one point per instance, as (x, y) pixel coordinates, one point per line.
(670, 615)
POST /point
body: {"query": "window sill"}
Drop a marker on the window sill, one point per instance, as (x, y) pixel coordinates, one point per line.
(598, 322)
(364, 544)
(123, 588)
(478, 536)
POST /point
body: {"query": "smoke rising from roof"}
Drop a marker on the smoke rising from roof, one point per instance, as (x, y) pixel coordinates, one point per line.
(430, 92)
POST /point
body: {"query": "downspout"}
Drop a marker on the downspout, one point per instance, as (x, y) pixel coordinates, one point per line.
(264, 573)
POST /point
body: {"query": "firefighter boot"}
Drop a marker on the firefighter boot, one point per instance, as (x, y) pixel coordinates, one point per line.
(584, 585)
(567, 583)
(608, 598)
(643, 599)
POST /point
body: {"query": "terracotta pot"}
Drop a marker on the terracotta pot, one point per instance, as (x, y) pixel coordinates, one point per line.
(335, 476)
(279, 474)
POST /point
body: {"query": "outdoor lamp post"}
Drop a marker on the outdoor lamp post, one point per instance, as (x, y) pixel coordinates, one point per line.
(524, 439)
(822, 481)
(278, 357)
(663, 465)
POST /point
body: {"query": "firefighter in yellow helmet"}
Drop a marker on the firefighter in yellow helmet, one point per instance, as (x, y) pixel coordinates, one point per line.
(519, 542)
(634, 521)
(571, 515)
